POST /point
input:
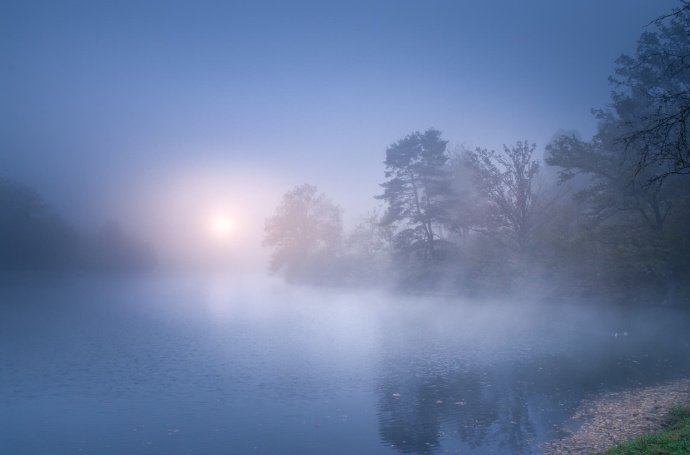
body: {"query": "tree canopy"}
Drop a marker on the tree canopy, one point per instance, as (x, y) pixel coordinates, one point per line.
(508, 182)
(418, 191)
(485, 220)
(652, 97)
(304, 232)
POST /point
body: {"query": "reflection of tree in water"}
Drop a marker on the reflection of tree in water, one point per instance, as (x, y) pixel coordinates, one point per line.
(509, 409)
(475, 409)
(436, 397)
(416, 412)
(519, 431)
(408, 415)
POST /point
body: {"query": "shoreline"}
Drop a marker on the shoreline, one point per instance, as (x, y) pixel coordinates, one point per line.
(618, 417)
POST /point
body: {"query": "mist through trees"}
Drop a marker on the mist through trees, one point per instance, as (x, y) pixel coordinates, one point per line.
(34, 237)
(490, 221)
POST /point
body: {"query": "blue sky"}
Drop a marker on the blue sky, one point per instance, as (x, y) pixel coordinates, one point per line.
(97, 96)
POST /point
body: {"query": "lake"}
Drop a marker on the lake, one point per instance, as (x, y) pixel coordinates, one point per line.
(242, 365)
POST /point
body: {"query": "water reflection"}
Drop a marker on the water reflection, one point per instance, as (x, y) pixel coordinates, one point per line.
(238, 366)
(457, 411)
(512, 405)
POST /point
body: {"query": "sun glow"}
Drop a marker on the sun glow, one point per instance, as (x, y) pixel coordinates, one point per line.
(221, 226)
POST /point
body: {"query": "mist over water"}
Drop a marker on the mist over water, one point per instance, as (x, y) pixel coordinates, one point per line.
(216, 365)
(389, 227)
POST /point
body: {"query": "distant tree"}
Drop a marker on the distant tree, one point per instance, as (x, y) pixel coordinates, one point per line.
(367, 250)
(418, 192)
(469, 207)
(113, 249)
(656, 82)
(370, 237)
(508, 182)
(32, 235)
(305, 233)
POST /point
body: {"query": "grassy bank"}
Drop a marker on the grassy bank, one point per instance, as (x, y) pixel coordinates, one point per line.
(673, 440)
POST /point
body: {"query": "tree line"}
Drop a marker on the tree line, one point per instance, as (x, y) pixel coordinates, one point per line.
(605, 215)
(33, 237)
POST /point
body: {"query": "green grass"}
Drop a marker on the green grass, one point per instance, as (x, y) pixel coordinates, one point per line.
(673, 440)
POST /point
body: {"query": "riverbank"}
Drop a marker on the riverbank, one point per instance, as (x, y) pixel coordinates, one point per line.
(619, 417)
(674, 439)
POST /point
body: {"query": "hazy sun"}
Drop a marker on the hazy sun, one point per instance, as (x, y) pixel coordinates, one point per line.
(221, 225)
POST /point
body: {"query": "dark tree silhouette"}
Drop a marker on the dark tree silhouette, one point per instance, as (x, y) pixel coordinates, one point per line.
(630, 220)
(418, 191)
(656, 81)
(614, 185)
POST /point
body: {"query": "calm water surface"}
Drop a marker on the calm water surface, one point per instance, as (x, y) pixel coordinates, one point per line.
(217, 365)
